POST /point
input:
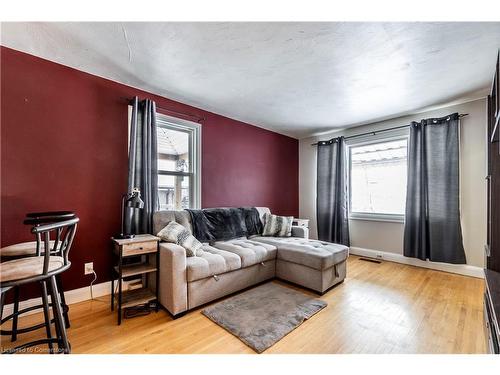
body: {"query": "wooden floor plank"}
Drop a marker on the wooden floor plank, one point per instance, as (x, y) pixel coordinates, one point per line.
(380, 308)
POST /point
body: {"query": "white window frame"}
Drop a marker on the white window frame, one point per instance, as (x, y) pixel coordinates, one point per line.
(195, 150)
(194, 130)
(385, 136)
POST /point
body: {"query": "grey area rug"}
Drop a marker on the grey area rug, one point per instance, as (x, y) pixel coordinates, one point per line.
(262, 316)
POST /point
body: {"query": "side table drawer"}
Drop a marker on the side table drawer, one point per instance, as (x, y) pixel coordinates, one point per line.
(139, 248)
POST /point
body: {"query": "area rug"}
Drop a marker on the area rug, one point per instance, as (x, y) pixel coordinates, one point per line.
(262, 316)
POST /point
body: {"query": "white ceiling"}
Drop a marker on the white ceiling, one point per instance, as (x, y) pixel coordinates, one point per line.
(294, 78)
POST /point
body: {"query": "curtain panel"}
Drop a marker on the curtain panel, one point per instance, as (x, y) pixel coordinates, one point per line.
(432, 220)
(143, 166)
(331, 197)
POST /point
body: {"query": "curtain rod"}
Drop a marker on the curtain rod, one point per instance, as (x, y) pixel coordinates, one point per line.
(384, 130)
(173, 113)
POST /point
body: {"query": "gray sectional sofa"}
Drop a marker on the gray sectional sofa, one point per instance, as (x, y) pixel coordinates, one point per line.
(228, 266)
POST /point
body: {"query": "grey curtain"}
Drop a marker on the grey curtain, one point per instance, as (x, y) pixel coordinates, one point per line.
(432, 220)
(143, 166)
(331, 197)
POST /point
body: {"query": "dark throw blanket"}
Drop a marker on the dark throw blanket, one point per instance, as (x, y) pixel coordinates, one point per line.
(222, 224)
(252, 220)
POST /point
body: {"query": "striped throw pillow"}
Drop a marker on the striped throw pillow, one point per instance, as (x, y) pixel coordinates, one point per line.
(278, 226)
(178, 234)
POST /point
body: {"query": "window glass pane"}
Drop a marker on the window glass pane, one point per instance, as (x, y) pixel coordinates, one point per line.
(173, 150)
(378, 177)
(173, 192)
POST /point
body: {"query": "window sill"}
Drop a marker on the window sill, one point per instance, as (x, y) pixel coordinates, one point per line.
(381, 218)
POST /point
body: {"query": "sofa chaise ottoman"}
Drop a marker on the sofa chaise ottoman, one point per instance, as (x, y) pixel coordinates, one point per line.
(313, 264)
(226, 267)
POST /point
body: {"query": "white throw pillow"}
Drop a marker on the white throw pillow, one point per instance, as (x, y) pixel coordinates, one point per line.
(178, 234)
(278, 226)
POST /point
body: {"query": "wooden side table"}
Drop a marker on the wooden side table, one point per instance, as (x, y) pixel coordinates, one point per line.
(142, 245)
(304, 223)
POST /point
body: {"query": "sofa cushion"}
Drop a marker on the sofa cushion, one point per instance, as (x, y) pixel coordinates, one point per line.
(162, 218)
(319, 255)
(178, 234)
(213, 261)
(280, 226)
(249, 251)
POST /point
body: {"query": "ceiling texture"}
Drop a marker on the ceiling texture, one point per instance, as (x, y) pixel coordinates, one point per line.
(293, 78)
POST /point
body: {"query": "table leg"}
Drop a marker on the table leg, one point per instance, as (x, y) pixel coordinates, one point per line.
(120, 289)
(112, 291)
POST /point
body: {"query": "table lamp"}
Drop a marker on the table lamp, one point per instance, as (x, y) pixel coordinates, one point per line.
(133, 200)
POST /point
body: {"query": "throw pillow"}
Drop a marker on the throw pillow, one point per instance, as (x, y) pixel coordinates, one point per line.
(178, 234)
(279, 226)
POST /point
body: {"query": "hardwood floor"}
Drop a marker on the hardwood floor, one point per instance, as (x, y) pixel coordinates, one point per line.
(380, 308)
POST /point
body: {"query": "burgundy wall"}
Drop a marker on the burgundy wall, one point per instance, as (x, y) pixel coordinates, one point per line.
(64, 146)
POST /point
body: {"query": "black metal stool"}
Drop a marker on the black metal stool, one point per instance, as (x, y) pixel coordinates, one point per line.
(27, 249)
(44, 269)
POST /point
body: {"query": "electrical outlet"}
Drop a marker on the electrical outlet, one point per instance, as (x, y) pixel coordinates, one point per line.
(89, 268)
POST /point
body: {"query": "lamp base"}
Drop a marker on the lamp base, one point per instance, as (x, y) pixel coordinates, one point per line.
(122, 236)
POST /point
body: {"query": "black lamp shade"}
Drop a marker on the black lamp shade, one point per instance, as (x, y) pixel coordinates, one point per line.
(135, 200)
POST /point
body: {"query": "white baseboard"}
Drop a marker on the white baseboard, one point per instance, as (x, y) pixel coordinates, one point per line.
(462, 269)
(72, 296)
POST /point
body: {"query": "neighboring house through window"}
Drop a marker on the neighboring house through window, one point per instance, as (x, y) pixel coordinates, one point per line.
(377, 176)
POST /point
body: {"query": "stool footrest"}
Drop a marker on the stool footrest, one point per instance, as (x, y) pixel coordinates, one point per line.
(23, 311)
(6, 332)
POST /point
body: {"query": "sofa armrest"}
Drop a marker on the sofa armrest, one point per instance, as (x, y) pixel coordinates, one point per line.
(299, 231)
(173, 278)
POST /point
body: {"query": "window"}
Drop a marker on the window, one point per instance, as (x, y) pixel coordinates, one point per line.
(377, 178)
(178, 163)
